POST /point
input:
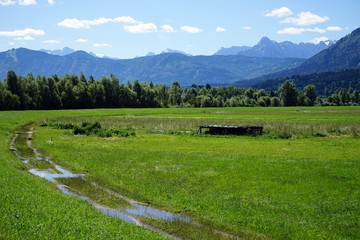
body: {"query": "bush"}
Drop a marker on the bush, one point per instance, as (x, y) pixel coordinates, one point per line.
(91, 128)
(79, 131)
(319, 134)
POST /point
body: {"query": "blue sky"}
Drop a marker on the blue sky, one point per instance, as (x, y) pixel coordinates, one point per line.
(126, 29)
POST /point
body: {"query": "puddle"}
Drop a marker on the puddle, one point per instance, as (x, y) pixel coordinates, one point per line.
(67, 191)
(50, 174)
(117, 214)
(136, 209)
(150, 212)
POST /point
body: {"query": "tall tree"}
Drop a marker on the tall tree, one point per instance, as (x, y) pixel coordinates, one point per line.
(355, 97)
(13, 83)
(31, 93)
(288, 93)
(310, 94)
(162, 95)
(107, 84)
(139, 93)
(175, 94)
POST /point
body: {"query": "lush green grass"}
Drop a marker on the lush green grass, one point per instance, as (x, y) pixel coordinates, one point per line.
(304, 187)
(33, 208)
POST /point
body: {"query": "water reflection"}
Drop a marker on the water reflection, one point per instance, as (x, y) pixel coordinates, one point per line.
(150, 212)
(50, 174)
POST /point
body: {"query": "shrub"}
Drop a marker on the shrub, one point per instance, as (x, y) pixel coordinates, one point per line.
(91, 128)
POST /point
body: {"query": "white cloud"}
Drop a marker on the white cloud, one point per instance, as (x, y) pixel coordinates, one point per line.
(72, 23)
(292, 30)
(27, 2)
(305, 19)
(51, 2)
(334, 28)
(100, 55)
(280, 12)
(191, 29)
(20, 2)
(125, 19)
(141, 28)
(101, 45)
(319, 39)
(25, 38)
(76, 23)
(316, 29)
(168, 28)
(22, 33)
(51, 41)
(246, 28)
(220, 29)
(7, 2)
(81, 40)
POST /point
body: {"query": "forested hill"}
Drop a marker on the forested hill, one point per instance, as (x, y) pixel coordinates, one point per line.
(161, 69)
(326, 83)
(344, 54)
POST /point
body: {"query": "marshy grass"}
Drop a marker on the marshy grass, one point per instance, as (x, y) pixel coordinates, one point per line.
(89, 128)
(21, 140)
(281, 126)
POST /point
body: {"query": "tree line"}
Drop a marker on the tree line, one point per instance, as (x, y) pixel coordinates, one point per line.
(78, 92)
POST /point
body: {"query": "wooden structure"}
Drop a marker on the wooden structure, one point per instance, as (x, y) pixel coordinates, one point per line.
(231, 130)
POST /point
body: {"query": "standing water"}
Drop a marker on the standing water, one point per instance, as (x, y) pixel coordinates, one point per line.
(131, 212)
(128, 213)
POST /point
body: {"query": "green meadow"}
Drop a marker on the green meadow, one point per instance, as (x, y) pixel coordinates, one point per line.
(299, 180)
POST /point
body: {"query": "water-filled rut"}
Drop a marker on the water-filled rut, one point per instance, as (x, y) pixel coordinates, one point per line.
(132, 211)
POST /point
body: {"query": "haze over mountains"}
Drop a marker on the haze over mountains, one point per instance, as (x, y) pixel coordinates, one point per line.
(163, 68)
(264, 48)
(248, 67)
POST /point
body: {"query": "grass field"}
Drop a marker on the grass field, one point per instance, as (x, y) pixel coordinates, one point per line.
(300, 180)
(33, 208)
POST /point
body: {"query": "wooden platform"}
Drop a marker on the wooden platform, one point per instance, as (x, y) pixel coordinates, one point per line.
(231, 130)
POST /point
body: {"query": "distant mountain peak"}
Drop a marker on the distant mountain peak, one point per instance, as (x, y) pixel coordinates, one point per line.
(340, 56)
(266, 40)
(234, 50)
(271, 48)
(150, 54)
(169, 50)
(80, 53)
(59, 52)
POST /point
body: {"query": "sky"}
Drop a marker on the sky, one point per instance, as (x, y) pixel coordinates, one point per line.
(131, 28)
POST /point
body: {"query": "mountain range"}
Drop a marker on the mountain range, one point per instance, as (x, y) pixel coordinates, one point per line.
(264, 48)
(163, 68)
(343, 55)
(240, 70)
(270, 48)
